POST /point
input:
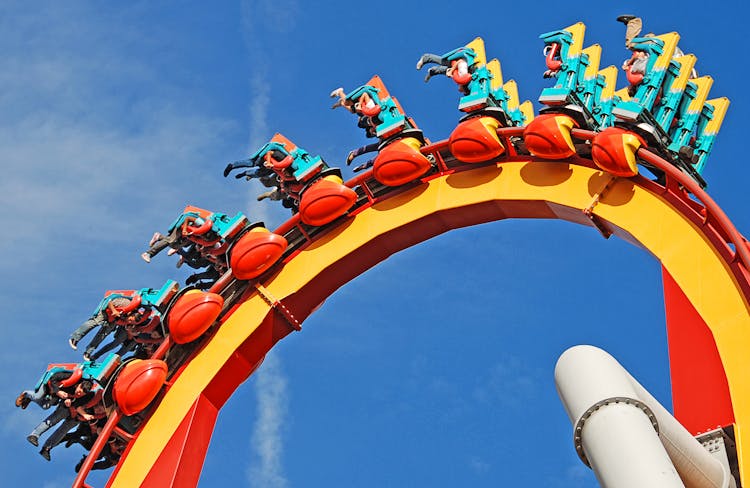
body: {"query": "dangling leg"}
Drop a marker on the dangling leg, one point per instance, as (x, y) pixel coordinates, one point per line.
(120, 337)
(52, 419)
(633, 27)
(429, 58)
(57, 436)
(102, 334)
(434, 71)
(85, 328)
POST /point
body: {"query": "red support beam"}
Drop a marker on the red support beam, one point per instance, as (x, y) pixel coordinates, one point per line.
(700, 392)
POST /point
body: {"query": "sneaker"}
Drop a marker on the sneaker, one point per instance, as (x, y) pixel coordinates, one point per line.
(146, 257)
(45, 453)
(154, 238)
(73, 343)
(86, 356)
(34, 440)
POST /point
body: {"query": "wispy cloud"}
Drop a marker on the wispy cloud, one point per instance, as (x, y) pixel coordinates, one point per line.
(576, 475)
(510, 383)
(479, 466)
(266, 469)
(260, 18)
(87, 133)
(277, 16)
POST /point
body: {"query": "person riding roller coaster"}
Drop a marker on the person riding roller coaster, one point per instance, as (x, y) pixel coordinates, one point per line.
(304, 182)
(200, 237)
(283, 167)
(379, 114)
(113, 310)
(49, 393)
(133, 331)
(457, 64)
(70, 412)
(635, 66)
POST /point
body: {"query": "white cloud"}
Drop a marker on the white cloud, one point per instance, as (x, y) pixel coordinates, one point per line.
(576, 475)
(87, 134)
(277, 16)
(261, 98)
(478, 465)
(259, 18)
(266, 469)
(510, 383)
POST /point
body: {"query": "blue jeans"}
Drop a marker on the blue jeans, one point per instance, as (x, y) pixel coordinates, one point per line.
(41, 397)
(120, 339)
(61, 412)
(86, 327)
(57, 436)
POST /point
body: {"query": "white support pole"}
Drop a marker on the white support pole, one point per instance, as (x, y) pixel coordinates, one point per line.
(623, 433)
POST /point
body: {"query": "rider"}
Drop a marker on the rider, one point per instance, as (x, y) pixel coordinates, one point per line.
(75, 397)
(48, 394)
(201, 238)
(104, 317)
(124, 336)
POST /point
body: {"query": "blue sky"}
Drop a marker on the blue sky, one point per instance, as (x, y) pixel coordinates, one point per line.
(433, 368)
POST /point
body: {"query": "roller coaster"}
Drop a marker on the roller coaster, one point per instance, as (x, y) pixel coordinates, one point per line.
(626, 162)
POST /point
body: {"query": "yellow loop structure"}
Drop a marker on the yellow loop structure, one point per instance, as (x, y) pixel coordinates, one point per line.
(634, 209)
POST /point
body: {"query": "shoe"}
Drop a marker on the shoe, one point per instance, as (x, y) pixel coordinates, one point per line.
(625, 18)
(86, 356)
(45, 453)
(154, 238)
(73, 343)
(22, 401)
(33, 439)
(146, 257)
(272, 194)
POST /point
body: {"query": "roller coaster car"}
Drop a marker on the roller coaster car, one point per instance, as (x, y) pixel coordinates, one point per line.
(251, 248)
(662, 104)
(488, 102)
(399, 158)
(324, 197)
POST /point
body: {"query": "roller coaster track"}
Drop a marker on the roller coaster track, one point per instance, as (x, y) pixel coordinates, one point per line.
(706, 265)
